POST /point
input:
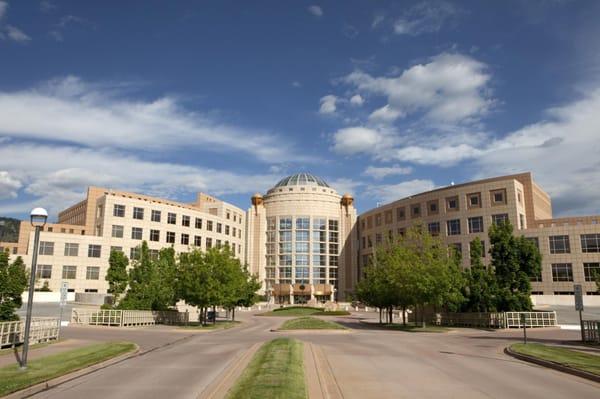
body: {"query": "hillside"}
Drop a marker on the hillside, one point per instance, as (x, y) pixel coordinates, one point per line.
(9, 229)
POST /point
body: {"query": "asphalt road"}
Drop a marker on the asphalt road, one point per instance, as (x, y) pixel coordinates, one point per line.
(367, 363)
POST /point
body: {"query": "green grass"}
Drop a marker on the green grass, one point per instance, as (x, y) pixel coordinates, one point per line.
(566, 357)
(296, 311)
(310, 323)
(219, 325)
(10, 351)
(409, 327)
(275, 371)
(45, 368)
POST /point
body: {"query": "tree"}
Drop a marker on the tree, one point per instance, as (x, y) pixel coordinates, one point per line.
(480, 283)
(152, 282)
(13, 281)
(515, 261)
(116, 275)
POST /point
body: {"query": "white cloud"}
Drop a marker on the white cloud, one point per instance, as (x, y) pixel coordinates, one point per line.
(72, 111)
(377, 19)
(425, 17)
(385, 114)
(57, 176)
(8, 185)
(393, 192)
(315, 10)
(357, 100)
(442, 156)
(17, 34)
(3, 8)
(296, 84)
(451, 88)
(379, 173)
(328, 104)
(47, 6)
(354, 140)
(345, 185)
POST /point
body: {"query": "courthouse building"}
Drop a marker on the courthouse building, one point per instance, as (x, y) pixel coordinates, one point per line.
(304, 240)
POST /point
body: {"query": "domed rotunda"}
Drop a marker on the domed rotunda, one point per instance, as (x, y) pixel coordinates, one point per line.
(300, 241)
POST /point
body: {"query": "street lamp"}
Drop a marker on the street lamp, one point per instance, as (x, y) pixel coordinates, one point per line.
(38, 219)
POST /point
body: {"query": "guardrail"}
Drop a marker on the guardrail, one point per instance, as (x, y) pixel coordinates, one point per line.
(532, 319)
(591, 331)
(489, 319)
(127, 318)
(43, 329)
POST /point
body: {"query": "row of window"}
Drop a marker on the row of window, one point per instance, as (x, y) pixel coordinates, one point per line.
(590, 243)
(137, 233)
(302, 260)
(68, 272)
(304, 235)
(71, 249)
(452, 204)
(564, 271)
(302, 223)
(156, 216)
(302, 272)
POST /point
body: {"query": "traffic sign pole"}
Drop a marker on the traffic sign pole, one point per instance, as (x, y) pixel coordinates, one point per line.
(578, 291)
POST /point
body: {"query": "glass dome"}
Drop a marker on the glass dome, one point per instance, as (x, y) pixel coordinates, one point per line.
(301, 179)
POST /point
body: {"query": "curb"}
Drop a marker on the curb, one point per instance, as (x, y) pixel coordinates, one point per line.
(54, 382)
(553, 365)
(220, 385)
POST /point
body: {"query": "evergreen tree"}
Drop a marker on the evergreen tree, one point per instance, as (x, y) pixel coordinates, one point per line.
(13, 281)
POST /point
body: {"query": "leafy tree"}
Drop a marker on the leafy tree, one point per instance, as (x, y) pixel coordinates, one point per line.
(515, 261)
(13, 281)
(197, 284)
(480, 288)
(116, 275)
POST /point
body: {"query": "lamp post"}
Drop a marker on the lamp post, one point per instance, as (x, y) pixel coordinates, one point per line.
(38, 219)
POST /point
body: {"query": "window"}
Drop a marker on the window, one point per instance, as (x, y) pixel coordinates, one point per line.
(320, 248)
(92, 273)
(590, 243)
(319, 224)
(171, 237)
(333, 225)
(209, 225)
(333, 260)
(590, 270)
(559, 245)
(116, 249)
(155, 216)
(432, 207)
(119, 210)
(71, 249)
(389, 218)
(564, 293)
(69, 272)
(185, 239)
(44, 271)
(500, 218)
(562, 272)
(333, 273)
(378, 219)
(302, 260)
(521, 221)
(434, 228)
(134, 253)
(415, 210)
(219, 228)
(378, 239)
(301, 235)
(400, 214)
(333, 236)
(319, 236)
(453, 227)
(138, 213)
(197, 241)
(117, 231)
(227, 230)
(171, 218)
(285, 223)
(271, 223)
(498, 197)
(154, 235)
(285, 247)
(319, 260)
(136, 233)
(474, 200)
(46, 248)
(228, 215)
(302, 223)
(285, 260)
(198, 223)
(476, 225)
(285, 236)
(452, 203)
(94, 251)
(185, 220)
(209, 242)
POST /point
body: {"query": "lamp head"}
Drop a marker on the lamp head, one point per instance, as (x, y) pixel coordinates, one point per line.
(38, 217)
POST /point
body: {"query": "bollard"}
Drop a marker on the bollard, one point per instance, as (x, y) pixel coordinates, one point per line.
(366, 308)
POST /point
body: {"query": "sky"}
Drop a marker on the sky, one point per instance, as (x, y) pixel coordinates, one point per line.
(380, 99)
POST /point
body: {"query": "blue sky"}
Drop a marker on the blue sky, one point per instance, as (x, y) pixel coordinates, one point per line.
(381, 99)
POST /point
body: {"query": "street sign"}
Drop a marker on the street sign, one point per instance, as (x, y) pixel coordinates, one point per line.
(64, 289)
(578, 297)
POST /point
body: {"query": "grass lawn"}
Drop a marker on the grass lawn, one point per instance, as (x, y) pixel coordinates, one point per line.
(303, 311)
(275, 371)
(43, 369)
(409, 327)
(310, 323)
(566, 357)
(219, 325)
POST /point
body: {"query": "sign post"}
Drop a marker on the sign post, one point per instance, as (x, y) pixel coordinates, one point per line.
(578, 291)
(64, 290)
(524, 323)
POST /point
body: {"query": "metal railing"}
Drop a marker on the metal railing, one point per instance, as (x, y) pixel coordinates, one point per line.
(127, 318)
(531, 319)
(43, 329)
(591, 331)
